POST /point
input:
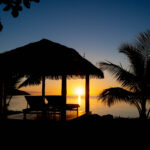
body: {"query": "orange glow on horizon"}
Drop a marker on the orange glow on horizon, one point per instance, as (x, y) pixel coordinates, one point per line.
(75, 87)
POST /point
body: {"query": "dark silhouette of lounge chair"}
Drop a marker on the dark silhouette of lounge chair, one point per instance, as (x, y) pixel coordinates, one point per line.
(35, 105)
(58, 104)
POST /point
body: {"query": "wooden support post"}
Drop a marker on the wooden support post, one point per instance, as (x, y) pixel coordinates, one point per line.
(87, 91)
(64, 95)
(64, 87)
(43, 94)
(43, 87)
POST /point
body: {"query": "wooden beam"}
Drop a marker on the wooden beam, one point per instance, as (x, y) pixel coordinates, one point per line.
(87, 91)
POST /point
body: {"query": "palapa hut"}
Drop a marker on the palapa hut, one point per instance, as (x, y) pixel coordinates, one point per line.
(47, 59)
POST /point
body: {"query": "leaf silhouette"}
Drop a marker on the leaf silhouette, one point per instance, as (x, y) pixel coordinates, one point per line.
(18, 7)
(26, 3)
(15, 13)
(8, 7)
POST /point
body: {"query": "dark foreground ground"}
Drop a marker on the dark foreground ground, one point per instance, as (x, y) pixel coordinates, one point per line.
(91, 131)
(84, 123)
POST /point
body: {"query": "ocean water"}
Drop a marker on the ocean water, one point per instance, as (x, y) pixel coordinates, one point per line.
(18, 103)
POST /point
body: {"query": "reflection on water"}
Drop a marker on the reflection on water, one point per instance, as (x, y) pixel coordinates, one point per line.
(79, 99)
(18, 103)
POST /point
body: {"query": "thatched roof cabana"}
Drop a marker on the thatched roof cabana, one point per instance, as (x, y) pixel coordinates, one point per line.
(48, 59)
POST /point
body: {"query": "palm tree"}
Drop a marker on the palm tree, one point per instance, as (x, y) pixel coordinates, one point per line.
(12, 83)
(135, 80)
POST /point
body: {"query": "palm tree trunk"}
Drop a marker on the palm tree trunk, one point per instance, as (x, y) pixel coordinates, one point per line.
(143, 115)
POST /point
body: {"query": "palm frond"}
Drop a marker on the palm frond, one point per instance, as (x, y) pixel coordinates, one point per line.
(11, 82)
(31, 80)
(135, 57)
(143, 40)
(125, 77)
(113, 95)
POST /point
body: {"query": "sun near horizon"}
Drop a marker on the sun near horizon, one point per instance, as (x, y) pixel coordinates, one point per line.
(79, 91)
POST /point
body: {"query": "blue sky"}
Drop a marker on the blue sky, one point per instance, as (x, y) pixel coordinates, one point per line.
(94, 27)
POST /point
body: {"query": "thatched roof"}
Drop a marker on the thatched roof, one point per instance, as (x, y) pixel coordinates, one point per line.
(47, 58)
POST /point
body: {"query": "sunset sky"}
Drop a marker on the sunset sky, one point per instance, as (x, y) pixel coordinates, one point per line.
(95, 28)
